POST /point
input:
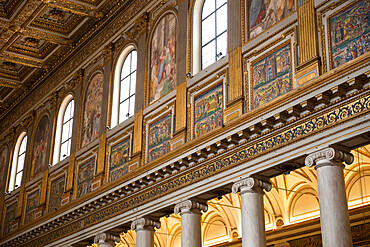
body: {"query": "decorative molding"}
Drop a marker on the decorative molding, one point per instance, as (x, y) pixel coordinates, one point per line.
(141, 26)
(328, 156)
(105, 237)
(145, 224)
(251, 185)
(189, 206)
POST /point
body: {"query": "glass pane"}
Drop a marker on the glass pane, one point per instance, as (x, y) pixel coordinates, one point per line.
(208, 29)
(63, 150)
(221, 16)
(65, 132)
(208, 8)
(68, 144)
(222, 45)
(133, 83)
(18, 180)
(126, 67)
(220, 3)
(133, 60)
(132, 106)
(125, 89)
(20, 163)
(123, 110)
(22, 149)
(208, 54)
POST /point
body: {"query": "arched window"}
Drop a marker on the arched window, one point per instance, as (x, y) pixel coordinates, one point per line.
(209, 33)
(63, 135)
(19, 157)
(124, 86)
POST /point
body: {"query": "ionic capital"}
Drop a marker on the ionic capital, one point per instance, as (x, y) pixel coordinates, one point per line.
(189, 206)
(328, 156)
(251, 185)
(104, 237)
(145, 224)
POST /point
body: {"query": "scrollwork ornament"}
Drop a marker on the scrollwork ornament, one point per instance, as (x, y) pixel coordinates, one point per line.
(251, 185)
(143, 223)
(188, 205)
(328, 156)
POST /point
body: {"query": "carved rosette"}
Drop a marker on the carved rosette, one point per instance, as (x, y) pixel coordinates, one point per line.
(328, 156)
(189, 206)
(145, 224)
(104, 237)
(251, 185)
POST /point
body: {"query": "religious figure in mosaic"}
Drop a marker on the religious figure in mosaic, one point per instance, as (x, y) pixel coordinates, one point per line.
(9, 217)
(163, 58)
(85, 175)
(33, 201)
(119, 158)
(159, 137)
(39, 155)
(56, 193)
(92, 112)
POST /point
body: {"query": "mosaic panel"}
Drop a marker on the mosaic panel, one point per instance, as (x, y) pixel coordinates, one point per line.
(92, 110)
(271, 76)
(39, 160)
(119, 157)
(33, 201)
(9, 217)
(263, 14)
(85, 175)
(349, 33)
(56, 193)
(163, 62)
(208, 110)
(159, 137)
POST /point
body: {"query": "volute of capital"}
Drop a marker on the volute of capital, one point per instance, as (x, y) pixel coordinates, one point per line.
(144, 223)
(330, 155)
(188, 205)
(251, 184)
(104, 237)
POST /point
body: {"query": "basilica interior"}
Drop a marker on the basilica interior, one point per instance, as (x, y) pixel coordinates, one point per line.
(184, 123)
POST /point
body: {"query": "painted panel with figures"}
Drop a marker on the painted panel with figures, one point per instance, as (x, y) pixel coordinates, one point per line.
(9, 217)
(119, 158)
(56, 193)
(3, 168)
(39, 155)
(159, 137)
(33, 201)
(85, 175)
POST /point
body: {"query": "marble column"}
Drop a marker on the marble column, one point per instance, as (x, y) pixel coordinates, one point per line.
(191, 233)
(253, 217)
(105, 240)
(334, 218)
(144, 231)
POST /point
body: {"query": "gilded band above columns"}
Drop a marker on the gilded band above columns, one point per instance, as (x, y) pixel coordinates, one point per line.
(251, 185)
(328, 156)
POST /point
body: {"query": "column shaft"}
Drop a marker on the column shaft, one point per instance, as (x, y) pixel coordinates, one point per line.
(144, 238)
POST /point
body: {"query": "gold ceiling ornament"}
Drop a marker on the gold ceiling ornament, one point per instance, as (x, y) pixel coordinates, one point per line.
(32, 41)
(9, 65)
(56, 14)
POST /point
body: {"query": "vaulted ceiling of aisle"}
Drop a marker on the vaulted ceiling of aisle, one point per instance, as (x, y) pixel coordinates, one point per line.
(37, 36)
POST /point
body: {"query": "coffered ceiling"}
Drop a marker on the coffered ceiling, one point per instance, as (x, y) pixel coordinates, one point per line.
(36, 35)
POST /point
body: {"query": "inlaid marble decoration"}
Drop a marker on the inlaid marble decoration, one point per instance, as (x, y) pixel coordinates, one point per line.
(163, 58)
(263, 14)
(92, 110)
(56, 193)
(9, 217)
(33, 201)
(3, 168)
(119, 157)
(159, 137)
(85, 175)
(208, 110)
(271, 76)
(349, 33)
(40, 144)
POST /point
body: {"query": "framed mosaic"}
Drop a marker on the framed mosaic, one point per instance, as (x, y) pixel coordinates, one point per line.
(208, 108)
(159, 136)
(162, 79)
(33, 200)
(349, 33)
(263, 14)
(119, 155)
(56, 192)
(39, 162)
(92, 110)
(271, 75)
(85, 175)
(3, 168)
(10, 214)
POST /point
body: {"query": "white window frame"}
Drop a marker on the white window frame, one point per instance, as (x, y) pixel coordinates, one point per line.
(59, 128)
(117, 84)
(16, 155)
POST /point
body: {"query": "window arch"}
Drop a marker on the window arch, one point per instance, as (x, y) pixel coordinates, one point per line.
(123, 105)
(209, 33)
(19, 157)
(63, 134)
